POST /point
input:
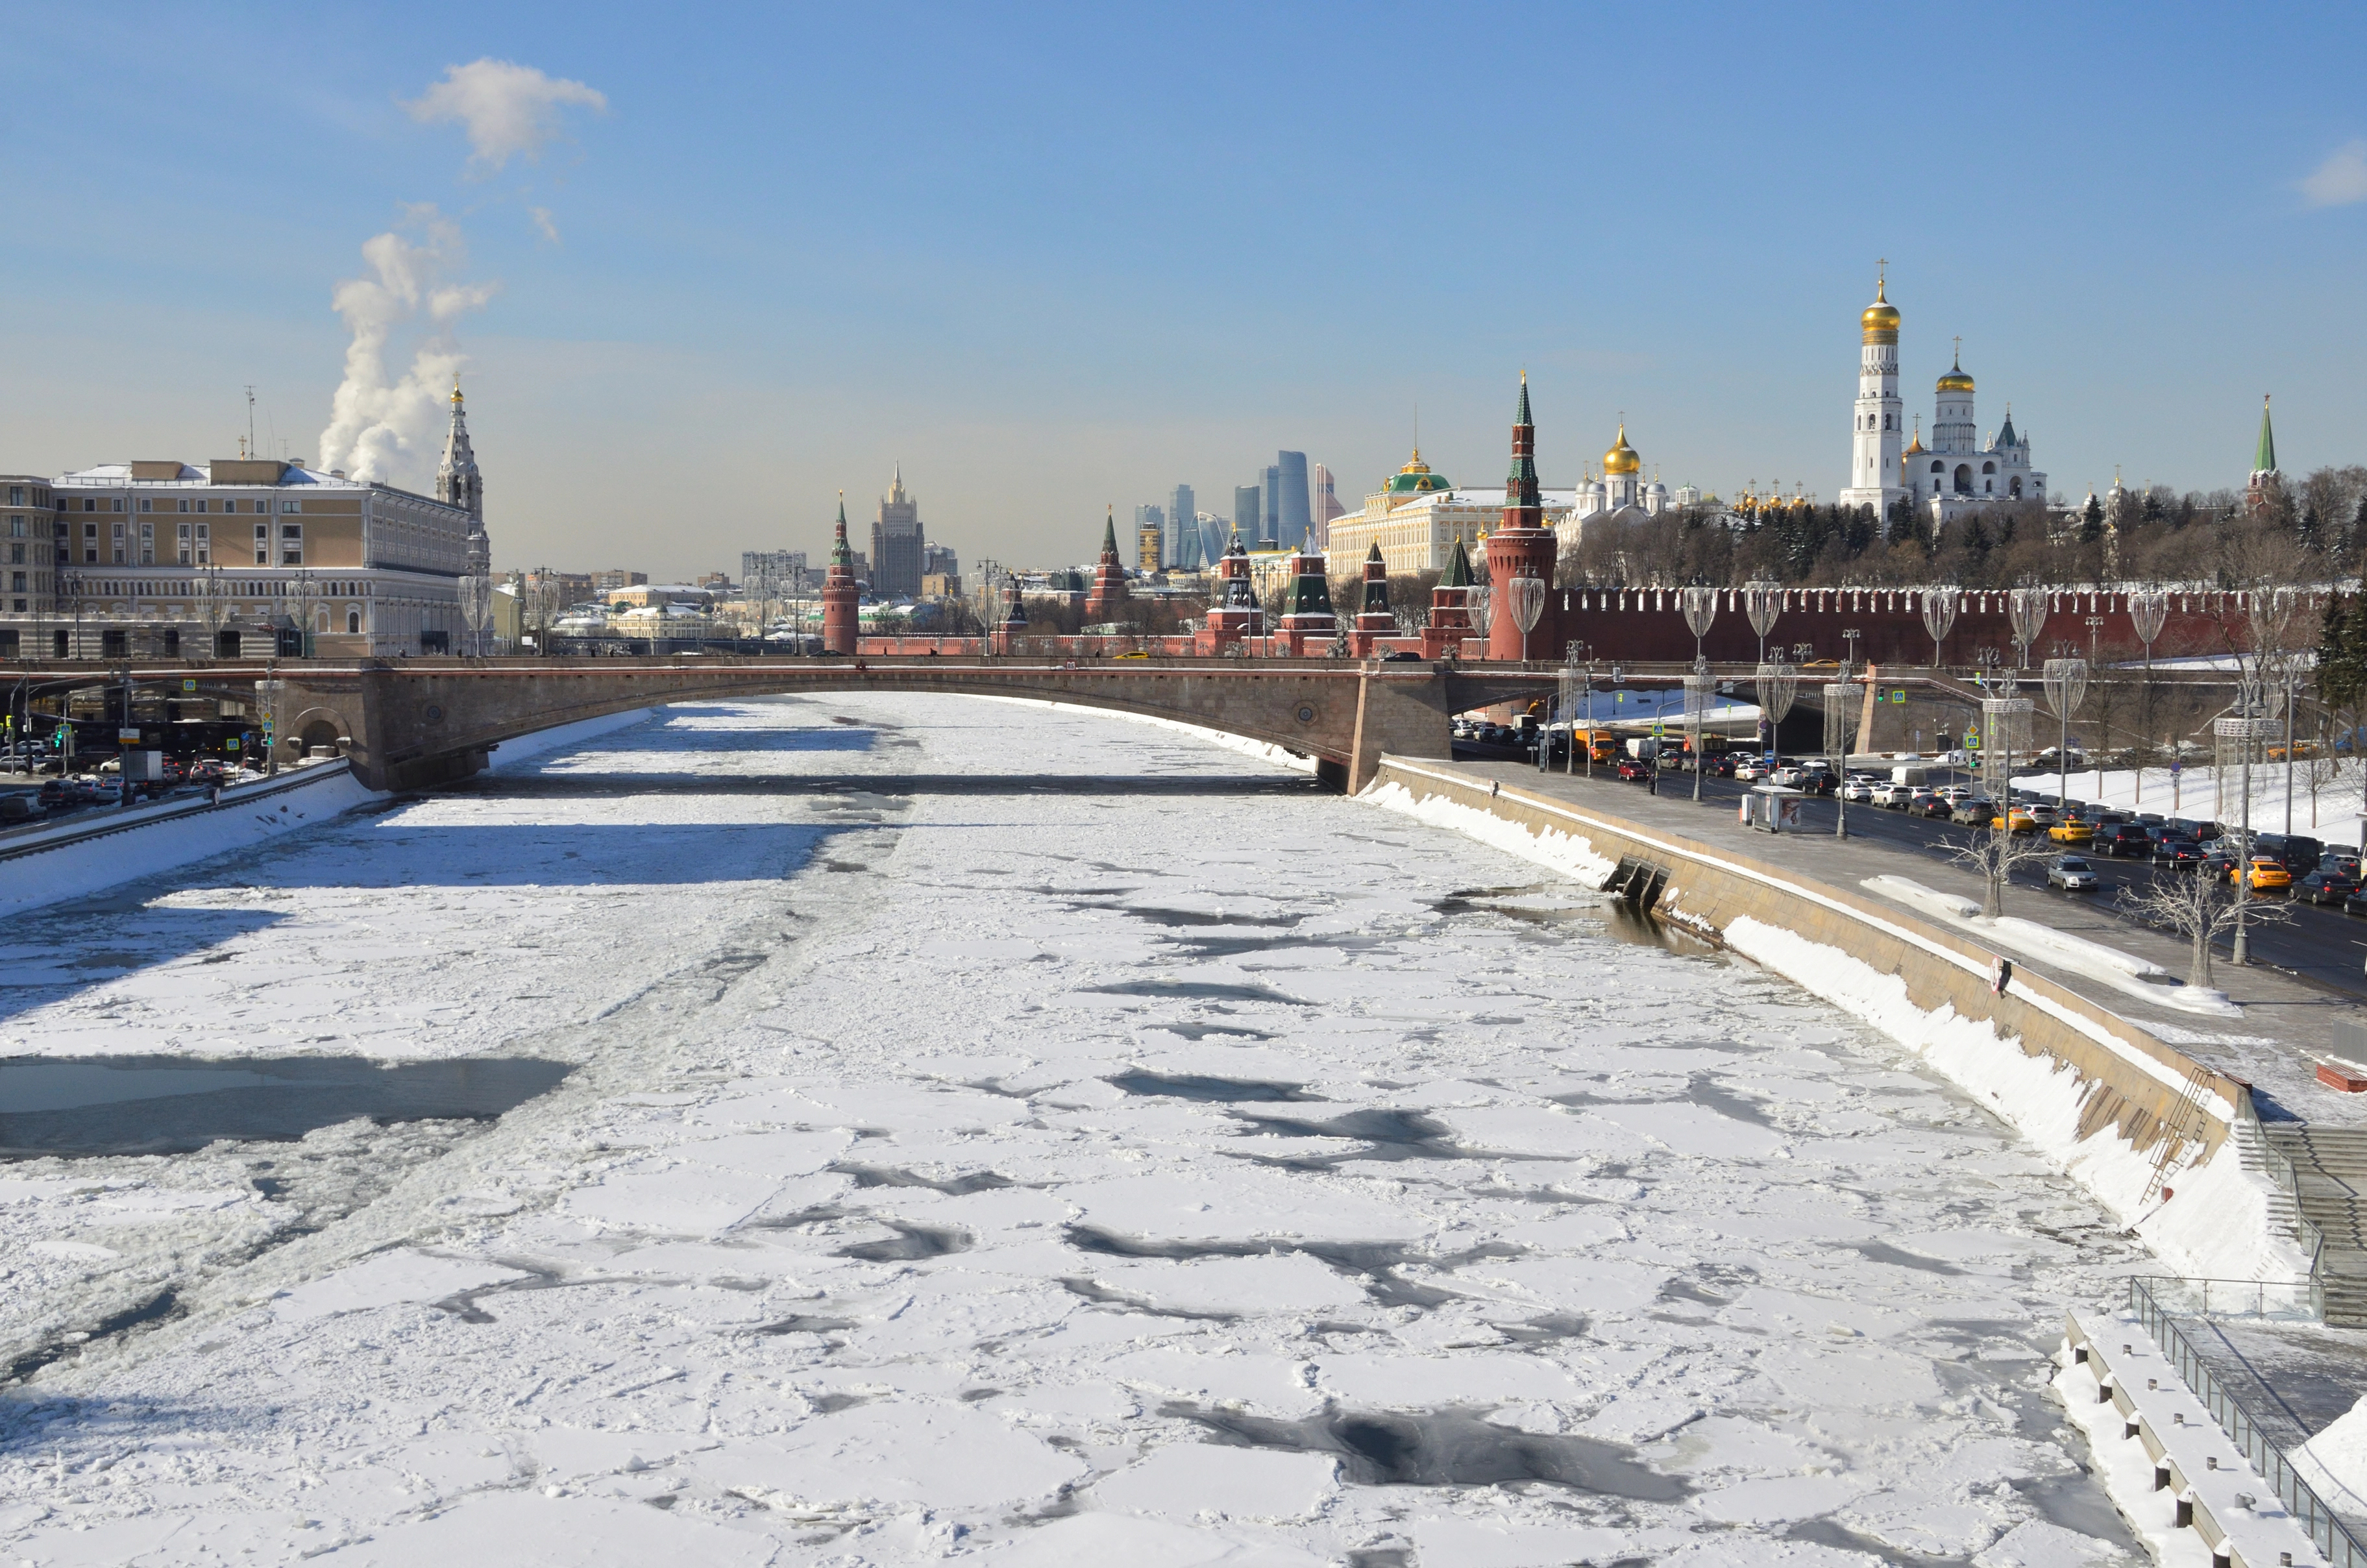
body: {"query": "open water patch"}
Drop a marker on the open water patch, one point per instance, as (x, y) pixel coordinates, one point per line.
(1200, 1087)
(1455, 1446)
(152, 1105)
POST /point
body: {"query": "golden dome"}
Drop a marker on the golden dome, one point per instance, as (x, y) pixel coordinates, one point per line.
(1622, 458)
(1880, 319)
(1955, 380)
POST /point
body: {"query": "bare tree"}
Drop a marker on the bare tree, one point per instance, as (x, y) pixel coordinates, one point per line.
(2200, 907)
(1994, 855)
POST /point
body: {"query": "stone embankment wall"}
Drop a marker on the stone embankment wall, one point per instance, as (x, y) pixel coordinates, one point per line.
(2114, 1105)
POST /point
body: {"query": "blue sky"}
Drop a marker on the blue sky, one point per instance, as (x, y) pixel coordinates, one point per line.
(1051, 258)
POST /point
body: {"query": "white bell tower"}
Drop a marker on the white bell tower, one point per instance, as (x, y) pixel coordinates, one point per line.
(1879, 432)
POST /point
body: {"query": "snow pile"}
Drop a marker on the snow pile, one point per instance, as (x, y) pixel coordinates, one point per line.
(964, 1158)
(1569, 854)
(2124, 972)
(565, 737)
(2334, 1461)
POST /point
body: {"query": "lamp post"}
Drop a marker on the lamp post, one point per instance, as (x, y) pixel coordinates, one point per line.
(1939, 616)
(2026, 608)
(2066, 685)
(2148, 611)
(1762, 602)
(1526, 599)
(1836, 716)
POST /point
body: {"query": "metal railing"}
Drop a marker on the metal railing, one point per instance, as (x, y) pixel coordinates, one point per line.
(2280, 1166)
(2328, 1533)
(2275, 1301)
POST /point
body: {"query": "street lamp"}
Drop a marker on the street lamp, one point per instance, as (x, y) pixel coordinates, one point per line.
(1939, 614)
(1762, 602)
(1849, 658)
(1836, 716)
(2066, 685)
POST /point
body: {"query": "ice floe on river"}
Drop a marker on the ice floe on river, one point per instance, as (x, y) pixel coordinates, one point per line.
(941, 1154)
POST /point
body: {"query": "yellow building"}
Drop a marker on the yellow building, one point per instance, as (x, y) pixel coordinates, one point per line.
(1417, 517)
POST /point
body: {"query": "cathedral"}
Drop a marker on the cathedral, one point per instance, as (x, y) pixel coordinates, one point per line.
(1622, 486)
(1958, 472)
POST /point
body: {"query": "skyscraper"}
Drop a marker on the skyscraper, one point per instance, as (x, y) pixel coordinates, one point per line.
(1182, 529)
(896, 541)
(1270, 520)
(1248, 513)
(1153, 518)
(1326, 505)
(1292, 519)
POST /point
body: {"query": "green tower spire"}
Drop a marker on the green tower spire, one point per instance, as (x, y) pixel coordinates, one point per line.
(1458, 568)
(2264, 461)
(840, 555)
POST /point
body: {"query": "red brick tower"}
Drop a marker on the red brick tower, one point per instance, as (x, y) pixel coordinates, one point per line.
(1374, 617)
(1522, 546)
(1235, 613)
(1308, 622)
(1450, 607)
(840, 621)
(1107, 599)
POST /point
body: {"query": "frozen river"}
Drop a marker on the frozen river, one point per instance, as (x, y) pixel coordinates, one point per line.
(912, 1145)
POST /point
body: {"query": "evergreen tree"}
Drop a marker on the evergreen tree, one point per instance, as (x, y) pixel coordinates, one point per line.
(2311, 531)
(1857, 530)
(2091, 522)
(1975, 537)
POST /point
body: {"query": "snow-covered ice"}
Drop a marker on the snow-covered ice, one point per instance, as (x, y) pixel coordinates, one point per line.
(1013, 1134)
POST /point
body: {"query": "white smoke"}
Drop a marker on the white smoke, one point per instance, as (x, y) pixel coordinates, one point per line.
(509, 110)
(382, 428)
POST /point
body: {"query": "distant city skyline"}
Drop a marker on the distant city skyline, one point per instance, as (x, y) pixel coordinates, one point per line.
(634, 250)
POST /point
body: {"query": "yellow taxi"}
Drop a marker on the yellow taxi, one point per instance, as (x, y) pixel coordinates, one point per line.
(2071, 831)
(2267, 874)
(2017, 820)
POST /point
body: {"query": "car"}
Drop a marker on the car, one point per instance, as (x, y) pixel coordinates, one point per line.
(2020, 819)
(1819, 782)
(58, 791)
(1749, 769)
(1402, 656)
(1857, 792)
(2123, 839)
(2041, 815)
(2071, 831)
(2328, 885)
(1721, 766)
(2267, 874)
(1973, 813)
(2072, 874)
(1788, 777)
(1893, 796)
(2356, 904)
(1929, 805)
(1630, 767)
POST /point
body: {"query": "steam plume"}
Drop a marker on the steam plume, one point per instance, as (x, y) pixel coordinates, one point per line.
(379, 428)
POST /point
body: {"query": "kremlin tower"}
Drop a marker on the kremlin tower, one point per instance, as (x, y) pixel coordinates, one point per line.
(1874, 473)
(1106, 599)
(1235, 613)
(1522, 546)
(1307, 613)
(1374, 617)
(1450, 607)
(839, 621)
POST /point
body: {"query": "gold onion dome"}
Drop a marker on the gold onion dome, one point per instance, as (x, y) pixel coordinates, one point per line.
(1622, 458)
(1957, 380)
(1880, 319)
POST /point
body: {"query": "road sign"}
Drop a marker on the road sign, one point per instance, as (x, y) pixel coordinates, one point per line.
(1898, 696)
(188, 685)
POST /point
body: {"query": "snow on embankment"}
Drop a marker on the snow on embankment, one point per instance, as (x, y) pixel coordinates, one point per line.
(248, 816)
(2216, 1225)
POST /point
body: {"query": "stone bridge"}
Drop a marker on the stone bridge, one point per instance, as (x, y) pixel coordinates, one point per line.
(412, 724)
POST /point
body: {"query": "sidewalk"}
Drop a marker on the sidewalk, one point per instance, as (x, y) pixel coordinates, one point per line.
(2273, 1046)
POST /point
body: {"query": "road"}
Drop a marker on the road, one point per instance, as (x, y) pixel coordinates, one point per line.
(2323, 946)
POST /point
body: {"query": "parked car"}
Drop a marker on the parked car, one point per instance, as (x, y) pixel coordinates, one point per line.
(2328, 886)
(1973, 813)
(2072, 874)
(2123, 838)
(2071, 831)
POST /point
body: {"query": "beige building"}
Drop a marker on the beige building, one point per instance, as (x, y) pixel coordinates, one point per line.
(1417, 517)
(28, 589)
(239, 556)
(245, 556)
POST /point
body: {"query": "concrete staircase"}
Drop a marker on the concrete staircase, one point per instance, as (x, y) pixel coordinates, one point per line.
(2329, 1172)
